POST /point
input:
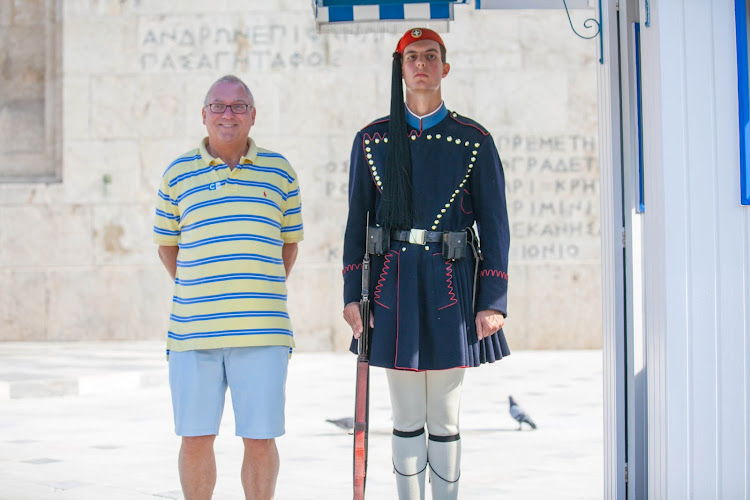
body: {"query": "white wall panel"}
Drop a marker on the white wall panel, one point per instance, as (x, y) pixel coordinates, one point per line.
(696, 254)
(700, 253)
(733, 264)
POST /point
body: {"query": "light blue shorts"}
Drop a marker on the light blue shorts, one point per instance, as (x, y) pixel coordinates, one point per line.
(256, 377)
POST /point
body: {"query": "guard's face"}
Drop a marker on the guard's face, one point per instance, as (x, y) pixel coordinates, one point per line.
(228, 127)
(422, 67)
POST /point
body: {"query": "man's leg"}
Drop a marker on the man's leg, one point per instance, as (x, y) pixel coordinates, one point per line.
(444, 443)
(197, 465)
(260, 468)
(197, 383)
(257, 380)
(408, 403)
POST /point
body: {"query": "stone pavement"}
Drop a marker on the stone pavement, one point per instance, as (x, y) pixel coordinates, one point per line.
(92, 421)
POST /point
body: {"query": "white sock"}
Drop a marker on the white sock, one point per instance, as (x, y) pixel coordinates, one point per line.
(445, 466)
(409, 463)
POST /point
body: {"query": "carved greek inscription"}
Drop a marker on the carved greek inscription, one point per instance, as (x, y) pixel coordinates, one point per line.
(210, 43)
(552, 186)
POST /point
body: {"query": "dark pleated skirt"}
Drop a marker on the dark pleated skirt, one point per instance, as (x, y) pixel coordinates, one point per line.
(424, 319)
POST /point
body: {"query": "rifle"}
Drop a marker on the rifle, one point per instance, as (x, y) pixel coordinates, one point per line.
(362, 395)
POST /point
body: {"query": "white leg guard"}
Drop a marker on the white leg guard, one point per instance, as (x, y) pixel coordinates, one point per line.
(409, 463)
(409, 403)
(444, 445)
(433, 397)
(444, 456)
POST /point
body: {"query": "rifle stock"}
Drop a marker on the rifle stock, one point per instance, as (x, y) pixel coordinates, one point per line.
(362, 396)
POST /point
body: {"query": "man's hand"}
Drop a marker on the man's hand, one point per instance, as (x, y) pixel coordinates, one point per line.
(488, 322)
(353, 317)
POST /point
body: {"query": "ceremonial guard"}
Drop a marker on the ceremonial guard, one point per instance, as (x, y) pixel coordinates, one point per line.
(427, 176)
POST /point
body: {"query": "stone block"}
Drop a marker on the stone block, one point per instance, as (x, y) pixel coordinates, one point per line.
(44, 236)
(122, 233)
(112, 37)
(187, 7)
(314, 303)
(27, 167)
(6, 13)
(501, 42)
(554, 306)
(35, 193)
(113, 8)
(28, 12)
(344, 50)
(100, 171)
(516, 100)
(116, 106)
(158, 105)
(23, 308)
(114, 303)
(73, 9)
(242, 6)
(582, 104)
(152, 290)
(22, 129)
(344, 109)
(76, 120)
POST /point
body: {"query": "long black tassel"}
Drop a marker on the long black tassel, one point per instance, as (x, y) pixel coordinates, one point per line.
(397, 206)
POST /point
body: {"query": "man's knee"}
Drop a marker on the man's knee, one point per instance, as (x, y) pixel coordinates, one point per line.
(197, 444)
(259, 446)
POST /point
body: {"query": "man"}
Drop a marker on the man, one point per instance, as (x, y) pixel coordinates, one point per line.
(227, 224)
(426, 176)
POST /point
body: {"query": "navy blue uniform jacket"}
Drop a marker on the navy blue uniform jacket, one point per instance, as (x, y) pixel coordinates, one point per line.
(422, 303)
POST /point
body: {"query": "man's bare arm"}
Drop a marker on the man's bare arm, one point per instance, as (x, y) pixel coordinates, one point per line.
(289, 256)
(168, 256)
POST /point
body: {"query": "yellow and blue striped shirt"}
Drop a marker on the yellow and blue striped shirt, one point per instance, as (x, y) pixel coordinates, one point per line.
(230, 226)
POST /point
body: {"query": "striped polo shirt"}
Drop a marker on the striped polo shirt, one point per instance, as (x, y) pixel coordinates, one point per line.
(230, 226)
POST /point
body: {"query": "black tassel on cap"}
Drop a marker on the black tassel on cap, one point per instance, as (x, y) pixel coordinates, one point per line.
(396, 205)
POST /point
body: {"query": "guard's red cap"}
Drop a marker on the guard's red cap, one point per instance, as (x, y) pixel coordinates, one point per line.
(415, 35)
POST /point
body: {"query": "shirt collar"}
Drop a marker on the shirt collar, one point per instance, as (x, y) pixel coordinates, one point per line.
(428, 120)
(249, 157)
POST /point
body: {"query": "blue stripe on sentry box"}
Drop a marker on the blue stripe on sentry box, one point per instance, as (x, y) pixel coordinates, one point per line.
(440, 11)
(392, 11)
(340, 14)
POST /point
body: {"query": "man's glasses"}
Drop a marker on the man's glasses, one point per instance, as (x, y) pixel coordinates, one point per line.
(237, 108)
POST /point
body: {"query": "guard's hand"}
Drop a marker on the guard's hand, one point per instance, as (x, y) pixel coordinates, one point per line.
(353, 317)
(488, 322)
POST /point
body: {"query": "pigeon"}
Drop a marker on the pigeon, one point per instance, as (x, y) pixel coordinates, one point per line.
(346, 423)
(519, 414)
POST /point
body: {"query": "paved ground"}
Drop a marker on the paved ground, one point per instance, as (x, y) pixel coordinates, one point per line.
(93, 421)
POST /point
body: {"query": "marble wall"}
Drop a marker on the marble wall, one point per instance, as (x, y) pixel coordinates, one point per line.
(76, 258)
